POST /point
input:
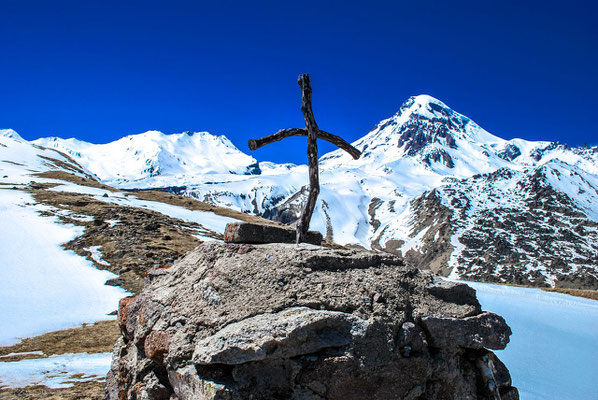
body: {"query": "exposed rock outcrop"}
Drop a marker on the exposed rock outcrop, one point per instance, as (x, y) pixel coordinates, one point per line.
(281, 321)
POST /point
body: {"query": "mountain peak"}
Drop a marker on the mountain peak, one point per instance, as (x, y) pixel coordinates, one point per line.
(426, 106)
(9, 133)
(426, 131)
(423, 124)
(422, 100)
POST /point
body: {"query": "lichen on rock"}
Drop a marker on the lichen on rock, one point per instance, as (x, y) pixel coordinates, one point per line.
(280, 321)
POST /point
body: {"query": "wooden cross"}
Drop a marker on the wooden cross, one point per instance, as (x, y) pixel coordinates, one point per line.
(312, 132)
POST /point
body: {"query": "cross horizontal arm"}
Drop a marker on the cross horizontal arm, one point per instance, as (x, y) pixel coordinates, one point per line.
(283, 133)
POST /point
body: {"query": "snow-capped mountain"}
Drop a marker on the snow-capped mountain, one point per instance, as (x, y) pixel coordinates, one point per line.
(9, 133)
(431, 184)
(154, 159)
(425, 130)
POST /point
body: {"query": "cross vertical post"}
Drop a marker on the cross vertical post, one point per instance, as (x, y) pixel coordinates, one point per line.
(312, 156)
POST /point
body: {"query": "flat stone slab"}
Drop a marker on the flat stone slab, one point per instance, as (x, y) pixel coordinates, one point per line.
(285, 334)
(246, 232)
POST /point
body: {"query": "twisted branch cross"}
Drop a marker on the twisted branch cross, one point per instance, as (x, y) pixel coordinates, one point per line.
(313, 133)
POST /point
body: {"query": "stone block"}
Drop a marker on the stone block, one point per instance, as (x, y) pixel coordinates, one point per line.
(245, 232)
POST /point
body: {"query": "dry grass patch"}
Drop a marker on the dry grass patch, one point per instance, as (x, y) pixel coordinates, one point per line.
(194, 204)
(588, 294)
(89, 338)
(142, 238)
(92, 390)
(78, 180)
(13, 163)
(74, 167)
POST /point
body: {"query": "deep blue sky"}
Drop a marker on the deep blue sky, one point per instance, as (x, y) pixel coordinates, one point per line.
(100, 70)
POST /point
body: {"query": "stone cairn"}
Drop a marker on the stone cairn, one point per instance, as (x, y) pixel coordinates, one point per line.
(281, 321)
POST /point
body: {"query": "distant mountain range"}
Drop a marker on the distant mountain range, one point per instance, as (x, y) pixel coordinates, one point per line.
(431, 184)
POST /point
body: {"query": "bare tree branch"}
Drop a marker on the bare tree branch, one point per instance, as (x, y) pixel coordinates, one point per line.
(284, 133)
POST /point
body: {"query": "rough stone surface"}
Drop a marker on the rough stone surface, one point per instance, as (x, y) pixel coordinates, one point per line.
(187, 384)
(454, 292)
(245, 232)
(484, 330)
(156, 345)
(285, 334)
(280, 321)
(123, 311)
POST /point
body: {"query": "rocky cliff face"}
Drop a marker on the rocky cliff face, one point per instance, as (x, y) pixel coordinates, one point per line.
(285, 322)
(508, 226)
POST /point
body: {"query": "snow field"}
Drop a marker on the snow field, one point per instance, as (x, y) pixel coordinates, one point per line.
(55, 371)
(45, 288)
(553, 353)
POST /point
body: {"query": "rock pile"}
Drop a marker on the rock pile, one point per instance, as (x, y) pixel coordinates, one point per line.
(279, 321)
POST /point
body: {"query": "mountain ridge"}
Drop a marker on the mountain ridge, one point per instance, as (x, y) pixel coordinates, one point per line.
(152, 154)
(384, 199)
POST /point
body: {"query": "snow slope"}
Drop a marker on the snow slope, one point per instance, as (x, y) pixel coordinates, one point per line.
(45, 288)
(554, 347)
(20, 159)
(9, 133)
